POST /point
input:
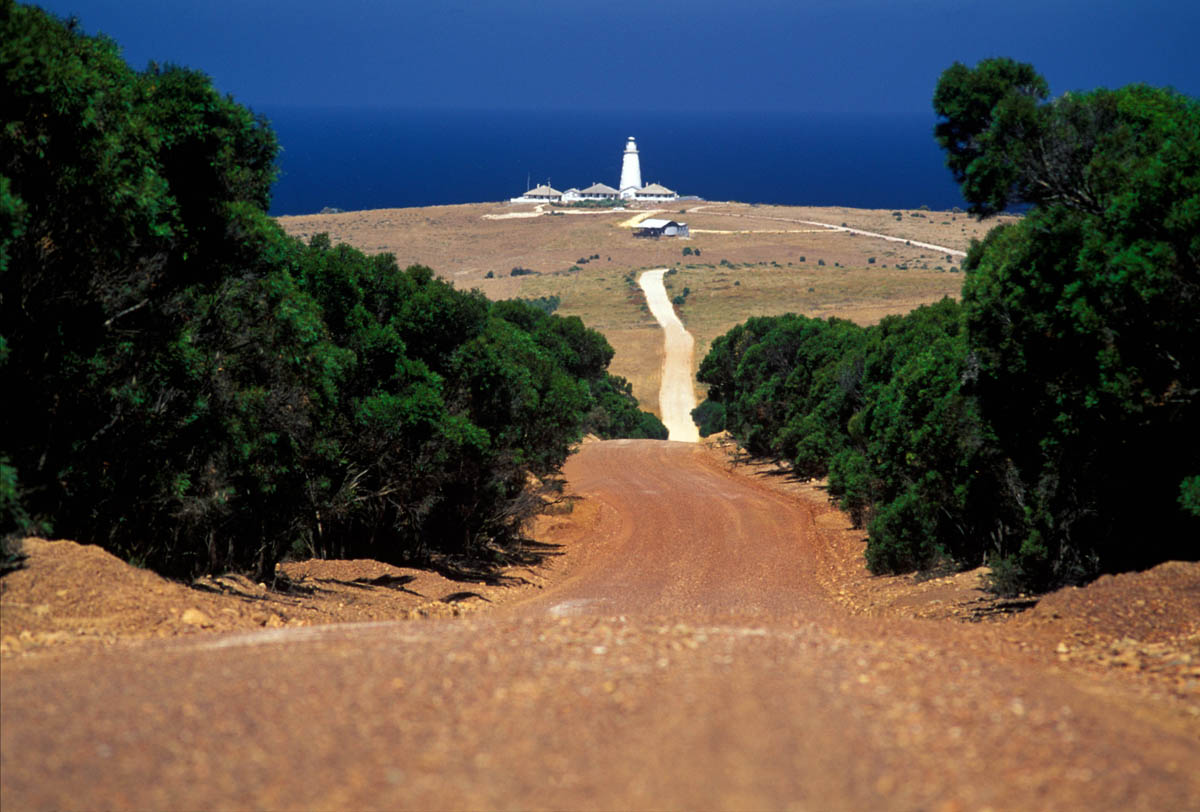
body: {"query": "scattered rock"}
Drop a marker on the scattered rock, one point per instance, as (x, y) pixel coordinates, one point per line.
(194, 617)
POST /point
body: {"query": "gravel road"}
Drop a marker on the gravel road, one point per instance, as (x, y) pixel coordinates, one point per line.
(677, 394)
(686, 659)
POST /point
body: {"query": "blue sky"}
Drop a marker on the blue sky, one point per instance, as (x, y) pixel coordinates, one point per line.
(747, 55)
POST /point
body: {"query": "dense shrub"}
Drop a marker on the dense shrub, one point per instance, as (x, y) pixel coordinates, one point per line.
(547, 304)
(1083, 318)
(709, 416)
(877, 410)
(1043, 425)
(200, 392)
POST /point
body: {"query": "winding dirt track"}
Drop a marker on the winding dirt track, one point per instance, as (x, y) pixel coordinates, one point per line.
(677, 393)
(687, 659)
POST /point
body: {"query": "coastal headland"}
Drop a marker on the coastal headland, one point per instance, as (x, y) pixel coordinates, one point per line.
(741, 260)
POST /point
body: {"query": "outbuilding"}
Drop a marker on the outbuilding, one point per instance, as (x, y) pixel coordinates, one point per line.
(661, 228)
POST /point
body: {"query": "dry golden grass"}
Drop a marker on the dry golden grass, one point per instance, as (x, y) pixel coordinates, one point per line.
(772, 264)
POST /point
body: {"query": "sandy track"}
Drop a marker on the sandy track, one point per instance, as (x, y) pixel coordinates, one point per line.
(539, 211)
(677, 394)
(887, 237)
(830, 226)
(686, 660)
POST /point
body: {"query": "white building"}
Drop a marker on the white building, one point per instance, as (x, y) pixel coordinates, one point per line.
(599, 191)
(655, 192)
(539, 194)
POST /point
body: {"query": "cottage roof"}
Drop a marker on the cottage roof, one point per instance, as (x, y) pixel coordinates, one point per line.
(655, 189)
(650, 223)
(543, 191)
(599, 189)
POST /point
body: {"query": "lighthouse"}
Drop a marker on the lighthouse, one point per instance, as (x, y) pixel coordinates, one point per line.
(631, 170)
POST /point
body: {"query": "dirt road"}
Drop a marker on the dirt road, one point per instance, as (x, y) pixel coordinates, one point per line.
(830, 226)
(677, 394)
(687, 658)
(876, 235)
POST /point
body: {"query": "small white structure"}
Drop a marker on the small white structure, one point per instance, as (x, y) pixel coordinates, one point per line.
(655, 191)
(539, 194)
(661, 228)
(572, 195)
(599, 191)
(631, 170)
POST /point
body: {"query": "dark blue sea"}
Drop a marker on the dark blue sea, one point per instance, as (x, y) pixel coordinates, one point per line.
(355, 159)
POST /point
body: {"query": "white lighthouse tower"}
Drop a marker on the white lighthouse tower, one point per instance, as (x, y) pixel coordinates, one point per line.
(631, 170)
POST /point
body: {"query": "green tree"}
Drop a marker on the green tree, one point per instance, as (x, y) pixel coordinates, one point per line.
(986, 113)
(1083, 321)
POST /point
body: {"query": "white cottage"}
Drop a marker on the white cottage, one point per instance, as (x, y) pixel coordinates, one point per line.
(540, 194)
(655, 192)
(599, 191)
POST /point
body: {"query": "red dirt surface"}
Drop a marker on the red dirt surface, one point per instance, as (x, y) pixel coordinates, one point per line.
(708, 640)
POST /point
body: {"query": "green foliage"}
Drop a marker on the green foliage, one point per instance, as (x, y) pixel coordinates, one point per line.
(616, 414)
(878, 410)
(547, 304)
(762, 371)
(1189, 495)
(200, 392)
(1043, 425)
(1084, 319)
(709, 416)
(14, 521)
(987, 113)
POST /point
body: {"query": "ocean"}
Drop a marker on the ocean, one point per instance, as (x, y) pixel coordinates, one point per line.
(354, 159)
